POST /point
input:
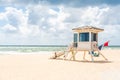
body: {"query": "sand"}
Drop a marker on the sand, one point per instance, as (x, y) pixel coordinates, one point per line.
(40, 67)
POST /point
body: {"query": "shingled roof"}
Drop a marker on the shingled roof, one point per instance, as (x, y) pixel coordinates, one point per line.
(87, 28)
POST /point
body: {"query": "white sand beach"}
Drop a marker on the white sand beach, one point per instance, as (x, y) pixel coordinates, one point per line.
(40, 67)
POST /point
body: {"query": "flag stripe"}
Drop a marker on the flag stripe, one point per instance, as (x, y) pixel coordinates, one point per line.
(100, 47)
(106, 43)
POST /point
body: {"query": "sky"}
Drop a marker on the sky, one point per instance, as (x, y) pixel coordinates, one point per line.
(50, 22)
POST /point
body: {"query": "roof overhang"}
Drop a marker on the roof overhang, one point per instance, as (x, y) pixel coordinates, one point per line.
(88, 29)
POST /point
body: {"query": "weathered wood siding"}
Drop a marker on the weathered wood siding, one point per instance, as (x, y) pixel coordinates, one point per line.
(84, 46)
(87, 46)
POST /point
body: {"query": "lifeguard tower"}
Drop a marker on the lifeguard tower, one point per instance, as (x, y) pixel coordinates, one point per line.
(84, 39)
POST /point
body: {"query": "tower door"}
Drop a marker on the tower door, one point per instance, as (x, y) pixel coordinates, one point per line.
(75, 40)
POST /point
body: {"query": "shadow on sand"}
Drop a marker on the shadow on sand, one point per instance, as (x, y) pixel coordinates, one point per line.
(86, 61)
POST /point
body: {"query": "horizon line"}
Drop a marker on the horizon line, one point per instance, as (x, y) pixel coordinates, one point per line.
(45, 45)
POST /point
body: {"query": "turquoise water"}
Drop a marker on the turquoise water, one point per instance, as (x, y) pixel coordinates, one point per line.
(38, 48)
(31, 48)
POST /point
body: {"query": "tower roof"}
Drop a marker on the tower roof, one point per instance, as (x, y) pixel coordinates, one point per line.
(87, 29)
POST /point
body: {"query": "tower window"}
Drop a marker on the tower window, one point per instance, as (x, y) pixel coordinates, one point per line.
(94, 37)
(83, 37)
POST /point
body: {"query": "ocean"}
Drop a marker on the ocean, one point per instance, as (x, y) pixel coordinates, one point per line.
(37, 48)
(4, 49)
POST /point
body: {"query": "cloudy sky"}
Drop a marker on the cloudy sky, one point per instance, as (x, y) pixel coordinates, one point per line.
(39, 22)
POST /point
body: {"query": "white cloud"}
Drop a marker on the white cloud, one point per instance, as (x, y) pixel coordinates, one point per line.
(58, 21)
(16, 16)
(41, 24)
(111, 17)
(9, 27)
(52, 12)
(92, 15)
(2, 16)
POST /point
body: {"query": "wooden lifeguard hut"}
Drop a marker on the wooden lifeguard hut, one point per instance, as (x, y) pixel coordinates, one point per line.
(85, 39)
